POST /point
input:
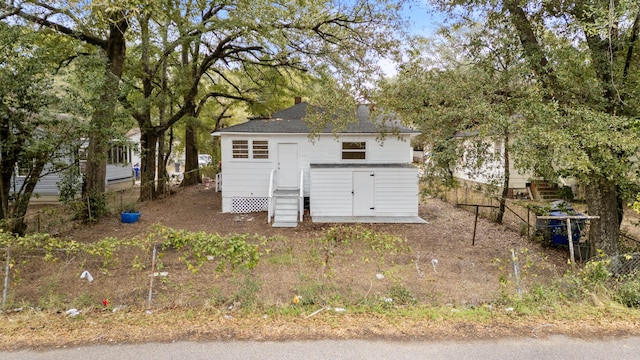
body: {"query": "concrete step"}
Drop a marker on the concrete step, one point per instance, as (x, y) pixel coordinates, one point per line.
(285, 213)
(286, 206)
(291, 216)
(284, 224)
(286, 200)
(286, 209)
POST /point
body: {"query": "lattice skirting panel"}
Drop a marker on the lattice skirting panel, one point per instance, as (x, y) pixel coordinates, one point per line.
(249, 205)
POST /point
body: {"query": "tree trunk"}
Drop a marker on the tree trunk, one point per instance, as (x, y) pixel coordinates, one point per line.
(505, 183)
(101, 121)
(161, 170)
(148, 141)
(21, 204)
(602, 200)
(191, 168)
(7, 166)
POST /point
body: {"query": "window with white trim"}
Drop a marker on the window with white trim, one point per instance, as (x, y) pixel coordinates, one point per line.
(119, 154)
(260, 149)
(250, 149)
(240, 149)
(354, 150)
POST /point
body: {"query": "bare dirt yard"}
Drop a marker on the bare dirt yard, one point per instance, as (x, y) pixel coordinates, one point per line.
(437, 266)
(441, 266)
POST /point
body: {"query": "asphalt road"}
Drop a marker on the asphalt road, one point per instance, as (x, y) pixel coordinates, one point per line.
(555, 347)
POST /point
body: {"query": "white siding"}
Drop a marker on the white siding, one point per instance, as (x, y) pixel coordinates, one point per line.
(517, 180)
(331, 192)
(250, 178)
(46, 186)
(493, 171)
(245, 178)
(396, 191)
(119, 173)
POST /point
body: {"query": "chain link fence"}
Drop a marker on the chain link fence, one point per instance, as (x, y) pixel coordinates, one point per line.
(625, 264)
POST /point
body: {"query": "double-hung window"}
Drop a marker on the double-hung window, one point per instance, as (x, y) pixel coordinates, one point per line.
(354, 150)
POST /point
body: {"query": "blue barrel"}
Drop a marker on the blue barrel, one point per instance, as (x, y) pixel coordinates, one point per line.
(557, 229)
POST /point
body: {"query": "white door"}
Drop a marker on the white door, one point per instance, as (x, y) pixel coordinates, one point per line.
(288, 166)
(363, 193)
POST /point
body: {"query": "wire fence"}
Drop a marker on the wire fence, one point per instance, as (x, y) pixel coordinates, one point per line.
(57, 218)
(520, 216)
(625, 264)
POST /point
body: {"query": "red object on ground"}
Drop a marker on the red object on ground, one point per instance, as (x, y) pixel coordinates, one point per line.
(105, 302)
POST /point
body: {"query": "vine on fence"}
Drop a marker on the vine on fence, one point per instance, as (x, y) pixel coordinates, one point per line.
(342, 237)
(238, 250)
(199, 247)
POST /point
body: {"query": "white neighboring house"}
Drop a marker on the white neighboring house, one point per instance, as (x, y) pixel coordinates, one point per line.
(134, 141)
(119, 165)
(521, 185)
(273, 165)
(119, 174)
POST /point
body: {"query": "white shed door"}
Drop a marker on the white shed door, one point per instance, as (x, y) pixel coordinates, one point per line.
(288, 166)
(363, 193)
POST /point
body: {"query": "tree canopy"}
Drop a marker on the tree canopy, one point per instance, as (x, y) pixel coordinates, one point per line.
(38, 133)
(165, 60)
(561, 75)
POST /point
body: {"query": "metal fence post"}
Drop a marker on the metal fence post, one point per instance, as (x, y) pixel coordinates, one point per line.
(6, 278)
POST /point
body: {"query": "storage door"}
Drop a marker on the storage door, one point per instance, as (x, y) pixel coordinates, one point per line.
(363, 193)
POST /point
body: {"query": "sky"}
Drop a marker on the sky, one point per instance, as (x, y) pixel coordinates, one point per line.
(422, 21)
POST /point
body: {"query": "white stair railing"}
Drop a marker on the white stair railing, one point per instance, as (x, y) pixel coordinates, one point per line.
(218, 182)
(301, 199)
(270, 205)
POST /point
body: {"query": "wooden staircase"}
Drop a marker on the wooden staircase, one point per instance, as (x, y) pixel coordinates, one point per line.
(546, 191)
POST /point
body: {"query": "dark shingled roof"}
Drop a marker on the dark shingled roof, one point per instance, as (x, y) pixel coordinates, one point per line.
(290, 121)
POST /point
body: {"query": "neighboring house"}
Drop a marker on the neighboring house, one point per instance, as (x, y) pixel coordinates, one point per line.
(119, 173)
(120, 165)
(274, 165)
(521, 184)
(134, 139)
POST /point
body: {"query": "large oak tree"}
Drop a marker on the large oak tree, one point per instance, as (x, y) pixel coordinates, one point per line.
(183, 44)
(578, 117)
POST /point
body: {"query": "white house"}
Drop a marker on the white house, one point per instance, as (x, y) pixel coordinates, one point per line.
(119, 173)
(273, 165)
(492, 169)
(134, 136)
(521, 184)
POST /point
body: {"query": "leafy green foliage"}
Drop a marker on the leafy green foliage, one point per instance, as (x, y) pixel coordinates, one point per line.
(628, 292)
(560, 80)
(343, 240)
(463, 105)
(38, 133)
(400, 295)
(198, 248)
